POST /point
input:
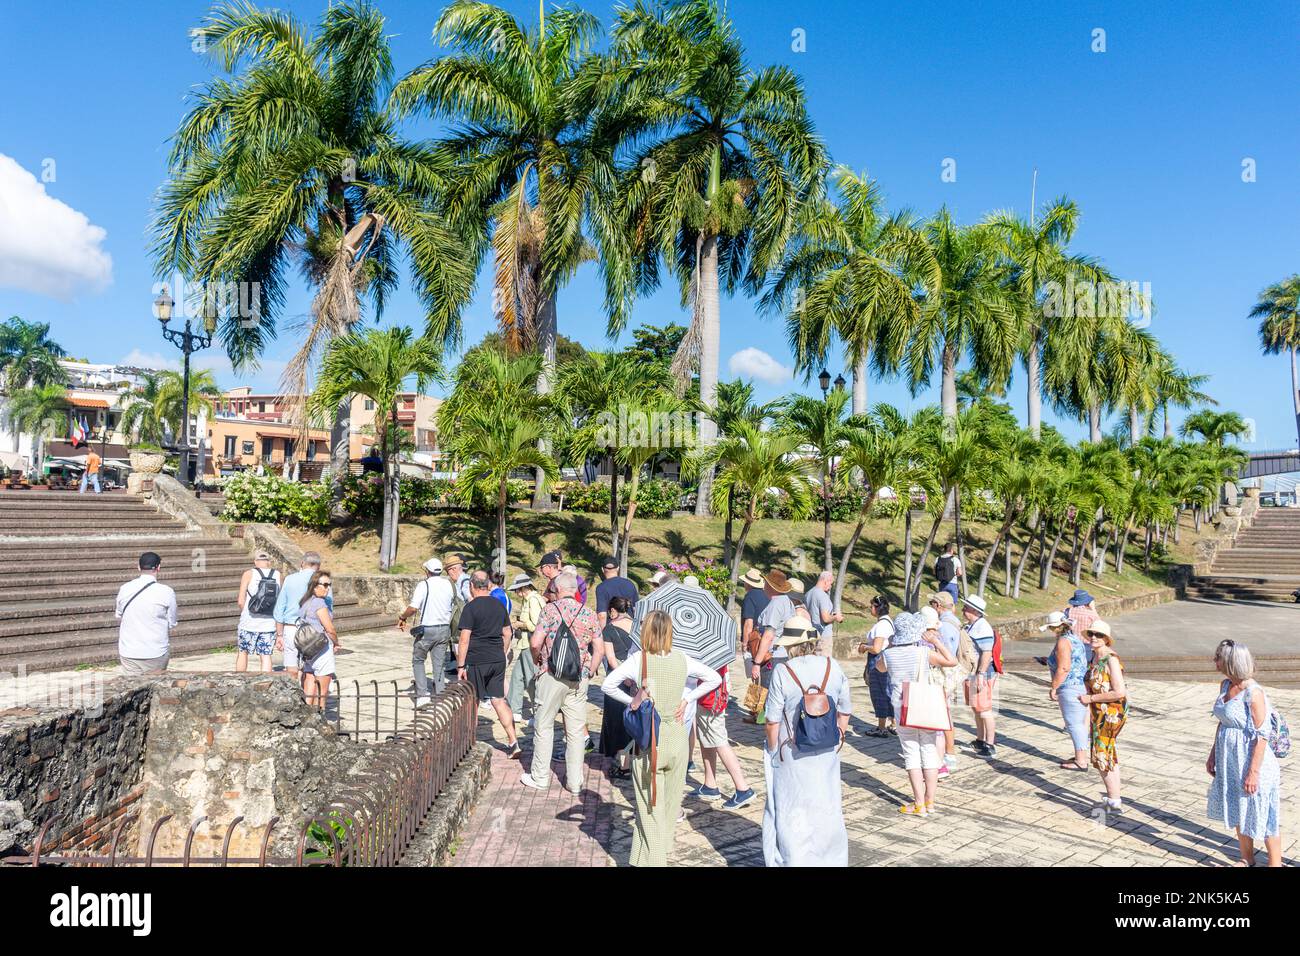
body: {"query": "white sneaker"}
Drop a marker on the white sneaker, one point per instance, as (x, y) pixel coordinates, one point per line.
(421, 702)
(519, 718)
(950, 761)
(527, 780)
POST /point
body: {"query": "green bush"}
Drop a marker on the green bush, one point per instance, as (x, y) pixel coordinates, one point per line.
(656, 498)
(363, 495)
(592, 498)
(714, 577)
(271, 499)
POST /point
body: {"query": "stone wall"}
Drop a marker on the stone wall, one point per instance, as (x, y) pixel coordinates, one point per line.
(173, 498)
(75, 765)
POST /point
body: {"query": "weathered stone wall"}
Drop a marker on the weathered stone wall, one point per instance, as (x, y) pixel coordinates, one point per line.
(173, 498)
(72, 765)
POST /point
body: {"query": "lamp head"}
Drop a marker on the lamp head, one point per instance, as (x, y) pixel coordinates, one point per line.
(162, 306)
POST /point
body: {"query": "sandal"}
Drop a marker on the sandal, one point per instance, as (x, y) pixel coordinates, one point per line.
(912, 810)
(877, 732)
(1072, 765)
(929, 808)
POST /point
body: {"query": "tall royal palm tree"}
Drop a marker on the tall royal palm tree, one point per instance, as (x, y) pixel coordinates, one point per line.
(532, 168)
(819, 425)
(295, 161)
(966, 312)
(727, 154)
(1278, 311)
(849, 273)
(28, 356)
(1036, 253)
(1178, 387)
(1130, 360)
(376, 364)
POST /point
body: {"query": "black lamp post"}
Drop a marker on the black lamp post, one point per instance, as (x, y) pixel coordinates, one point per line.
(189, 342)
(839, 381)
(824, 379)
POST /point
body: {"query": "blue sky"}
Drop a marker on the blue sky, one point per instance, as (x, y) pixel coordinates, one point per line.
(1149, 137)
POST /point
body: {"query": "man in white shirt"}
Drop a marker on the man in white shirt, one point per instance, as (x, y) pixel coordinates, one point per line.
(286, 610)
(771, 624)
(147, 611)
(432, 601)
(981, 634)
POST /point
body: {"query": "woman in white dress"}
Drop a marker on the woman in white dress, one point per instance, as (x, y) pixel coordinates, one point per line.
(803, 822)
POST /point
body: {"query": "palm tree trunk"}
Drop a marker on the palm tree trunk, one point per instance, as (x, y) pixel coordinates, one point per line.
(396, 516)
(961, 546)
(1045, 568)
(627, 520)
(727, 543)
(547, 333)
(502, 503)
(860, 388)
(993, 553)
(1076, 556)
(385, 521)
(1146, 550)
(340, 456)
(710, 344)
(1024, 555)
(740, 551)
(1169, 432)
(914, 595)
(1178, 522)
(614, 469)
(847, 556)
(826, 520)
(907, 548)
(948, 388)
(1134, 426)
(1034, 409)
(1121, 545)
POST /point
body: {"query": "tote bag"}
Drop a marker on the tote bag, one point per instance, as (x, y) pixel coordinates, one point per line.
(925, 706)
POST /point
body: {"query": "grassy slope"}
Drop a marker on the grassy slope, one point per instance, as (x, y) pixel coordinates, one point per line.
(794, 546)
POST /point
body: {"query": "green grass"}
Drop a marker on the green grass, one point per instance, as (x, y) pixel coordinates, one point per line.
(793, 546)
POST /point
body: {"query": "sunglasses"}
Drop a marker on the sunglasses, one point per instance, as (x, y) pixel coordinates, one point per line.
(322, 584)
(1096, 634)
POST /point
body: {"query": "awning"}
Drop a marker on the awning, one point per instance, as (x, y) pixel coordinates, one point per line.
(87, 402)
(13, 461)
(314, 434)
(64, 449)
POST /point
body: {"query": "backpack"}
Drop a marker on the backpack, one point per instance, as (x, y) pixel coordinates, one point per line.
(262, 603)
(311, 642)
(715, 701)
(944, 569)
(998, 665)
(565, 662)
(1279, 735)
(816, 727)
(457, 606)
(968, 657)
(641, 721)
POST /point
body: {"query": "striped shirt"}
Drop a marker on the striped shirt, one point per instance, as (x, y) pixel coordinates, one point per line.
(903, 663)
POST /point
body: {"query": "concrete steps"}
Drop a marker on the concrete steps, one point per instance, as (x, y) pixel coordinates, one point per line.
(64, 556)
(1262, 565)
(1272, 670)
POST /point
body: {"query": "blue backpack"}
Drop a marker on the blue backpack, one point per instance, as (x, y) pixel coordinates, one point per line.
(816, 724)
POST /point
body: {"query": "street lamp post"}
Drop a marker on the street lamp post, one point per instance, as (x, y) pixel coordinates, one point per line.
(824, 380)
(189, 342)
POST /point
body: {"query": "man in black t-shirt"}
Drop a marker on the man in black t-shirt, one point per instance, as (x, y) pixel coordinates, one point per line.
(481, 651)
(613, 586)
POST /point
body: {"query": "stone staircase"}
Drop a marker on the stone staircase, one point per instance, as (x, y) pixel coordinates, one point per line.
(63, 557)
(1262, 565)
(1271, 670)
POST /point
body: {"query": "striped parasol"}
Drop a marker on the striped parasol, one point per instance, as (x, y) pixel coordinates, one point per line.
(701, 627)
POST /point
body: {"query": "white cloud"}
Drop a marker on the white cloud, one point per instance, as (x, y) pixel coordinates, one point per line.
(755, 363)
(267, 376)
(46, 246)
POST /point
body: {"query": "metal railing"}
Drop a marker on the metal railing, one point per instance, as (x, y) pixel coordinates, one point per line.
(369, 822)
(374, 712)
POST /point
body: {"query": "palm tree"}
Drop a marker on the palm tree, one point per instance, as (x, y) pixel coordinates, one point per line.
(663, 417)
(375, 364)
(594, 390)
(1178, 387)
(818, 424)
(850, 272)
(28, 356)
(1278, 311)
(753, 464)
(735, 403)
(41, 411)
(1130, 359)
(204, 392)
(729, 154)
(493, 412)
(880, 451)
(295, 160)
(1214, 427)
(1035, 252)
(142, 418)
(531, 170)
(967, 311)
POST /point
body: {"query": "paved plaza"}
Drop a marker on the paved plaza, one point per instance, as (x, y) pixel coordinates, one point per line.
(1019, 809)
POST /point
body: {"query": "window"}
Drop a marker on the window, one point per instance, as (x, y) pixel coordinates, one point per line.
(268, 446)
(230, 447)
(370, 404)
(261, 407)
(311, 451)
(289, 449)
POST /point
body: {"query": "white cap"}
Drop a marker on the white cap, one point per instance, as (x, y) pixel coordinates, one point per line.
(433, 566)
(691, 581)
(1055, 619)
(930, 617)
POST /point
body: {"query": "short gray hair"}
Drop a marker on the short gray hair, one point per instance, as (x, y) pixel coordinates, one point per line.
(566, 584)
(480, 581)
(1235, 660)
(311, 560)
(827, 576)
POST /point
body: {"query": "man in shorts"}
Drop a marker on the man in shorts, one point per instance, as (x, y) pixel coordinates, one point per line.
(485, 634)
(711, 732)
(981, 634)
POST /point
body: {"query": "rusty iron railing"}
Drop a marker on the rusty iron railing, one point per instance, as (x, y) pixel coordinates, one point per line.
(369, 822)
(370, 712)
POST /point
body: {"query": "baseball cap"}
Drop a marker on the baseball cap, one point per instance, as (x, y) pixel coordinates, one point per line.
(551, 559)
(610, 562)
(433, 566)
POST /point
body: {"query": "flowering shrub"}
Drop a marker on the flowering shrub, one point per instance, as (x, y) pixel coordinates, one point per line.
(271, 499)
(714, 577)
(592, 498)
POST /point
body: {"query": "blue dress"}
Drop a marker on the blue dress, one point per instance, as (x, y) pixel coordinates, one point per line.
(1255, 815)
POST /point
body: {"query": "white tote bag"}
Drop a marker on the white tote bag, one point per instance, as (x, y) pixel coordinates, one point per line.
(924, 705)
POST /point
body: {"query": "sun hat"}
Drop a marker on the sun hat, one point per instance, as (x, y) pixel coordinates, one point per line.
(452, 560)
(658, 577)
(433, 566)
(1101, 627)
(797, 631)
(752, 578)
(691, 581)
(908, 629)
(520, 581)
(930, 617)
(943, 599)
(796, 586)
(777, 581)
(1081, 597)
(976, 602)
(1055, 619)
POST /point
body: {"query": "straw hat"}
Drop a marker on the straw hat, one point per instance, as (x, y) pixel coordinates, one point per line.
(1101, 627)
(943, 599)
(777, 581)
(1055, 619)
(797, 631)
(796, 586)
(452, 560)
(752, 579)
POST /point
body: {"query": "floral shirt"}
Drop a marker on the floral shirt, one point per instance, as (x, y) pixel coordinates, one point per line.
(582, 622)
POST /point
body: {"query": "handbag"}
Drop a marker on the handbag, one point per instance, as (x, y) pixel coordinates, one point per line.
(924, 706)
(641, 721)
(310, 641)
(755, 698)
(417, 631)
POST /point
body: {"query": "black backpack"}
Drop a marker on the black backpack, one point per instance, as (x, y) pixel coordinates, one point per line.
(944, 569)
(566, 658)
(262, 603)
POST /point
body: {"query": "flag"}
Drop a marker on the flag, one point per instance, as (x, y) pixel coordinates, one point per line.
(78, 433)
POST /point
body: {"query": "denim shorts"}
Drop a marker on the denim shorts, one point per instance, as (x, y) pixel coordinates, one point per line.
(256, 642)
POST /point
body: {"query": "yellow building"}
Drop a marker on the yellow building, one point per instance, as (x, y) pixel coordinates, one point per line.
(416, 414)
(251, 429)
